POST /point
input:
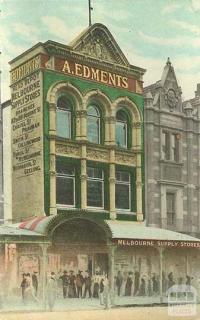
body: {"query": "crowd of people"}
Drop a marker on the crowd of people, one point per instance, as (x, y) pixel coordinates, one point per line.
(73, 286)
(84, 285)
(132, 284)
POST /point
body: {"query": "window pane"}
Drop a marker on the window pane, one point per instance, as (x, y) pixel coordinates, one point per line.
(63, 123)
(65, 190)
(175, 147)
(93, 111)
(94, 193)
(121, 134)
(93, 129)
(95, 173)
(64, 168)
(122, 176)
(122, 196)
(63, 103)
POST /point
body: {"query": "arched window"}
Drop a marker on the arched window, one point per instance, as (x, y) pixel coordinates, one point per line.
(64, 117)
(93, 124)
(121, 133)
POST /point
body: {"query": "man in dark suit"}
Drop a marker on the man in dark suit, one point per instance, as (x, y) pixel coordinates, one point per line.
(65, 283)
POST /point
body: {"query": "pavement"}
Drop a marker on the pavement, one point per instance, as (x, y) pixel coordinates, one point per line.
(135, 313)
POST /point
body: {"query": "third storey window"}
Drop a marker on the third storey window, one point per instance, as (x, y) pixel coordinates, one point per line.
(95, 187)
(121, 134)
(64, 118)
(93, 124)
(170, 146)
(123, 190)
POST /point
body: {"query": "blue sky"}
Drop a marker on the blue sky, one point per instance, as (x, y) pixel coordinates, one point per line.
(148, 31)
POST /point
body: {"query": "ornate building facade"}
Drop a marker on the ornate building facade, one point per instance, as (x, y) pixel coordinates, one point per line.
(172, 135)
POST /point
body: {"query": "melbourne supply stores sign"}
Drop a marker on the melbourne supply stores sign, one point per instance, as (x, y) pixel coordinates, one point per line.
(158, 243)
(27, 138)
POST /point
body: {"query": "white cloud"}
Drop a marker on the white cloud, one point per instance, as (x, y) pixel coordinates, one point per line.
(169, 8)
(195, 5)
(26, 31)
(178, 41)
(187, 26)
(58, 28)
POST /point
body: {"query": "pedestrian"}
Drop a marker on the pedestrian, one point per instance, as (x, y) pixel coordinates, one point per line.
(23, 285)
(106, 293)
(119, 281)
(101, 289)
(35, 283)
(129, 283)
(136, 282)
(88, 284)
(142, 290)
(96, 280)
(79, 284)
(65, 283)
(72, 287)
(170, 280)
(155, 284)
(52, 291)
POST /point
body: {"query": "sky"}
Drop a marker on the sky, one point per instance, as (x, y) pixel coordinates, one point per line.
(147, 31)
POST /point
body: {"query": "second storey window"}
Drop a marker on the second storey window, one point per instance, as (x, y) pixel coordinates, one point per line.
(64, 118)
(170, 204)
(170, 146)
(123, 190)
(93, 124)
(95, 187)
(65, 184)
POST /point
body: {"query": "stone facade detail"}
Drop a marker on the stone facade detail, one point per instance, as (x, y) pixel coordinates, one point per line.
(166, 113)
(68, 150)
(97, 154)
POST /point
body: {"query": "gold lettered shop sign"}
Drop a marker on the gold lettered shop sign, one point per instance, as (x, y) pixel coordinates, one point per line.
(154, 243)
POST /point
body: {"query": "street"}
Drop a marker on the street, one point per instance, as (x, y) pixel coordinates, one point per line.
(136, 313)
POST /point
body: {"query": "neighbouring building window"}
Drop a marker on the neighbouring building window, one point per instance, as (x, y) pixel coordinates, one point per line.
(175, 147)
(123, 190)
(170, 206)
(93, 124)
(121, 133)
(65, 184)
(95, 187)
(166, 145)
(170, 146)
(64, 118)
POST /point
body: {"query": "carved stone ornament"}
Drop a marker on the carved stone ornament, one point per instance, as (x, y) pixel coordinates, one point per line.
(99, 155)
(125, 159)
(171, 99)
(68, 150)
(95, 46)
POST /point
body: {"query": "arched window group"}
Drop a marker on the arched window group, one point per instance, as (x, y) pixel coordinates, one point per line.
(65, 123)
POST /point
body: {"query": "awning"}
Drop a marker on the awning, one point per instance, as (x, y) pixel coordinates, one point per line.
(128, 233)
(124, 233)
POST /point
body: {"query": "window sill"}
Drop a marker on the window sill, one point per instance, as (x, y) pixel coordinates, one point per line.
(65, 207)
(171, 162)
(126, 212)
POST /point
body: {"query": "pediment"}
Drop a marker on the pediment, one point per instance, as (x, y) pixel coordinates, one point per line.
(97, 42)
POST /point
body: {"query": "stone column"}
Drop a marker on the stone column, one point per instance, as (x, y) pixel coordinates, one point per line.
(107, 130)
(139, 188)
(111, 256)
(83, 178)
(112, 185)
(161, 273)
(44, 257)
(112, 129)
(78, 125)
(52, 133)
(53, 209)
(136, 135)
(83, 124)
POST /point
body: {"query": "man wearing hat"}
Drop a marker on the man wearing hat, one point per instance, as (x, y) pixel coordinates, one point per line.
(79, 284)
(65, 283)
